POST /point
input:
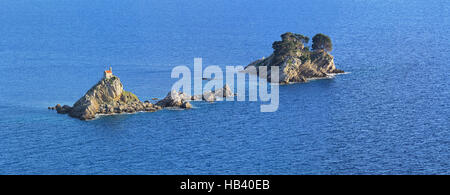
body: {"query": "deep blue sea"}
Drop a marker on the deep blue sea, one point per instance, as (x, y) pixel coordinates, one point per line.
(389, 115)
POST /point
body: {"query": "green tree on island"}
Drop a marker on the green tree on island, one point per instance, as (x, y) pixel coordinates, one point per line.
(290, 42)
(302, 38)
(322, 42)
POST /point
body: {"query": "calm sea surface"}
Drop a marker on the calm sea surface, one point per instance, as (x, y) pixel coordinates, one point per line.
(390, 115)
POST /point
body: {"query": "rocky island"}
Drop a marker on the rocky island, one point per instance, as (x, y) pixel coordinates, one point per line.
(296, 62)
(108, 97)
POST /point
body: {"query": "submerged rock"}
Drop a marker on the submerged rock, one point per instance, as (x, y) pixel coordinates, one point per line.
(295, 61)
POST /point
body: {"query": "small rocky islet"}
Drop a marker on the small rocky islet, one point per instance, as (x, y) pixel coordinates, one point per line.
(298, 62)
(106, 97)
(295, 60)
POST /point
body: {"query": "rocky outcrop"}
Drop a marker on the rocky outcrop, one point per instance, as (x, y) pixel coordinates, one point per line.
(106, 97)
(211, 96)
(63, 109)
(177, 99)
(295, 61)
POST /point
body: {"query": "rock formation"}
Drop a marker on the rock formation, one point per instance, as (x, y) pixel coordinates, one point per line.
(106, 97)
(175, 99)
(181, 100)
(211, 96)
(295, 61)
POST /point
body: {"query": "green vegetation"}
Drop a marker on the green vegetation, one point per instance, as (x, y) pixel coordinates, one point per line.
(322, 42)
(296, 45)
(112, 79)
(306, 56)
(290, 42)
(128, 97)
